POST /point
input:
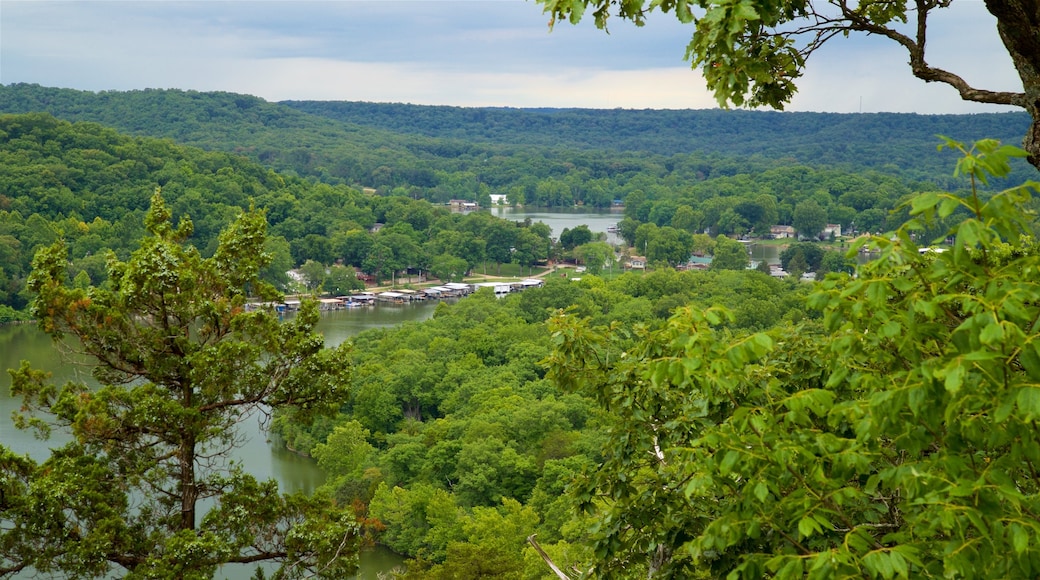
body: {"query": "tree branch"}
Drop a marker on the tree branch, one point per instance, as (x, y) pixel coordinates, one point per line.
(548, 561)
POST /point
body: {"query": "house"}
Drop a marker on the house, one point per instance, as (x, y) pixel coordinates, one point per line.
(636, 263)
(458, 288)
(831, 230)
(463, 205)
(781, 232)
(696, 263)
(499, 288)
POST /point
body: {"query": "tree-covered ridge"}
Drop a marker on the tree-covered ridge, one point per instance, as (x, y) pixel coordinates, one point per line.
(437, 152)
(803, 137)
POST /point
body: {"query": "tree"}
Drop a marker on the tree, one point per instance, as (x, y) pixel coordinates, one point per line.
(808, 254)
(315, 273)
(345, 451)
(668, 245)
(627, 230)
(448, 268)
(353, 246)
(277, 271)
(835, 262)
(752, 53)
(572, 238)
(809, 219)
(595, 256)
(500, 236)
(342, 280)
(179, 363)
(685, 218)
(895, 439)
(729, 255)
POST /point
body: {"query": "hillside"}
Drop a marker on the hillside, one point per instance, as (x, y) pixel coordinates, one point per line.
(396, 145)
(827, 138)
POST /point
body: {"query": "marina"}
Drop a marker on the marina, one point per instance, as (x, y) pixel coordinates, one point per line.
(400, 295)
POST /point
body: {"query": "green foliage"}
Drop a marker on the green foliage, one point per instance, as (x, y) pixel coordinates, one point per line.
(179, 363)
(809, 219)
(729, 254)
(314, 274)
(571, 238)
(896, 439)
(464, 428)
(595, 256)
(802, 257)
(342, 280)
(9, 315)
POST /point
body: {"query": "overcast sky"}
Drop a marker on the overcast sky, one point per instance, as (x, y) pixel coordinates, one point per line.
(466, 53)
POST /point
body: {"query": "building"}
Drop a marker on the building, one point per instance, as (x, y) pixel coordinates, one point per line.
(781, 232)
(831, 230)
(636, 263)
(463, 205)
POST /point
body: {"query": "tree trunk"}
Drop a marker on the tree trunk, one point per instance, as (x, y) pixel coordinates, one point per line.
(186, 458)
(189, 491)
(1018, 23)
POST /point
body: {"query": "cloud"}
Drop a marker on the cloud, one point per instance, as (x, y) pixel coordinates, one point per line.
(447, 52)
(323, 79)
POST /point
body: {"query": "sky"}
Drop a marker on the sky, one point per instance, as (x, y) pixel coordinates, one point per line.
(459, 52)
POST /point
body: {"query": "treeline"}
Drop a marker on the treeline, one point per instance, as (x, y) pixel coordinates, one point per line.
(851, 141)
(537, 157)
(454, 445)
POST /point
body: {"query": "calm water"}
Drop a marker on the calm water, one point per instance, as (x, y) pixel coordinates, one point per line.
(257, 454)
(598, 220)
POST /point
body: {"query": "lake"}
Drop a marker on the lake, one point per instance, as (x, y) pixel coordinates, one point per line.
(260, 457)
(558, 219)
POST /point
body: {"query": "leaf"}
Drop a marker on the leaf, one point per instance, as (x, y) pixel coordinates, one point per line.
(745, 11)
(923, 202)
(761, 491)
(969, 233)
(949, 205)
(899, 566)
(1019, 538)
(728, 461)
(1028, 400)
(954, 372)
(807, 526)
(992, 333)
(1030, 358)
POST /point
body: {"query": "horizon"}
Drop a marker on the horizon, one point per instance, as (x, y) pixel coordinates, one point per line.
(735, 110)
(482, 54)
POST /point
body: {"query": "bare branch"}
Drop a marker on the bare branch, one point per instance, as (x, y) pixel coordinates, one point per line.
(552, 566)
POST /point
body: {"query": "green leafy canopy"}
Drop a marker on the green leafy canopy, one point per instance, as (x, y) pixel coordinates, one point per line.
(895, 439)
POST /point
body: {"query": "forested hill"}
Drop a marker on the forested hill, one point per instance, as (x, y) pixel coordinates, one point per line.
(825, 137)
(395, 145)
